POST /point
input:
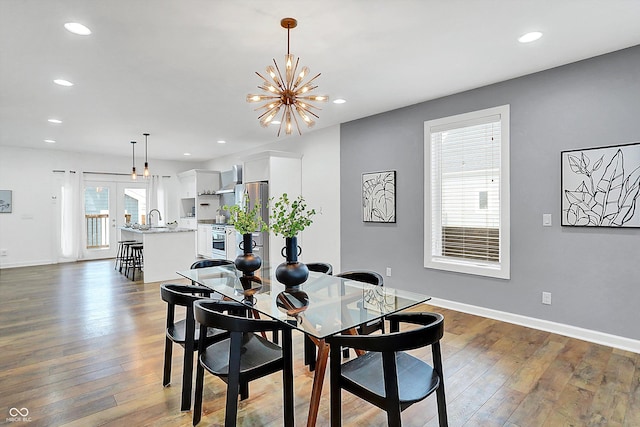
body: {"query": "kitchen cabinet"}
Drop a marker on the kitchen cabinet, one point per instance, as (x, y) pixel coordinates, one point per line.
(197, 200)
(231, 243)
(205, 249)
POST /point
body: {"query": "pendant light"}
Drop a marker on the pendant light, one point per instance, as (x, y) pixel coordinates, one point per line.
(146, 163)
(133, 168)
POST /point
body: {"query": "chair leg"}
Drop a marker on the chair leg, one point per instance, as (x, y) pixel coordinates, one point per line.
(393, 416)
(197, 405)
(187, 378)
(335, 388)
(287, 379)
(244, 390)
(168, 351)
(233, 380)
(309, 353)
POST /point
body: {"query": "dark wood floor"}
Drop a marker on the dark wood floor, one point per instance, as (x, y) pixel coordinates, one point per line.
(80, 345)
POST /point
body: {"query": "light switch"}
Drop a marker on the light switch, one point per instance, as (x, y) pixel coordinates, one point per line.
(546, 220)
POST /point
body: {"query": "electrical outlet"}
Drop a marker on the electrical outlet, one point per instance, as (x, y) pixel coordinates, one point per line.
(4, 252)
(546, 298)
(388, 271)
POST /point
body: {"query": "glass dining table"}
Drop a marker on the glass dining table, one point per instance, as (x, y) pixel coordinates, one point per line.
(320, 307)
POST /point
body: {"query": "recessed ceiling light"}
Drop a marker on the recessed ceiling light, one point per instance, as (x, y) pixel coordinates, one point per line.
(339, 101)
(63, 82)
(77, 28)
(220, 141)
(50, 141)
(56, 121)
(186, 154)
(530, 37)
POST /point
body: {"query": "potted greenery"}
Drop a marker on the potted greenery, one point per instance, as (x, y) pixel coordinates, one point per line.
(288, 218)
(246, 221)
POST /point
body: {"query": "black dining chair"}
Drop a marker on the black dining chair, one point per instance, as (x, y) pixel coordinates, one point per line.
(320, 267)
(372, 278)
(243, 357)
(183, 332)
(309, 346)
(386, 375)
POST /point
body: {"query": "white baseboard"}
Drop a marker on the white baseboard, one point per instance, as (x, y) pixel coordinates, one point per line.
(543, 325)
(27, 263)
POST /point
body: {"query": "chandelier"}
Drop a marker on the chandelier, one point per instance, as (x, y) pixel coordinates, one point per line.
(287, 95)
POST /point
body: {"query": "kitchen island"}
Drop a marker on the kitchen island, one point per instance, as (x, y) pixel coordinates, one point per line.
(166, 250)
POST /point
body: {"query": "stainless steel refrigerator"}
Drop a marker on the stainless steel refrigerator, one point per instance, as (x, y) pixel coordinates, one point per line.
(258, 194)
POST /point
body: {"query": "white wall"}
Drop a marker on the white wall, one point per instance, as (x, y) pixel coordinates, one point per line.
(29, 232)
(320, 152)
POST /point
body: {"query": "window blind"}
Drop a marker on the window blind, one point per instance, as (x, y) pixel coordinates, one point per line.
(465, 190)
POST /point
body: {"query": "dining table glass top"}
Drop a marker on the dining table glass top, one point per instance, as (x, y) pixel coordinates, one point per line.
(322, 306)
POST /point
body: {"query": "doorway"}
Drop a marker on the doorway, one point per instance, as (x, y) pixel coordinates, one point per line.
(107, 206)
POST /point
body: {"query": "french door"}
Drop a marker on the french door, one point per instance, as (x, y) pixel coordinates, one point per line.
(107, 206)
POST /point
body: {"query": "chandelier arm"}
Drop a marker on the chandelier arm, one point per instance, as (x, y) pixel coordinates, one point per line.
(296, 121)
(279, 74)
(291, 84)
(308, 82)
(304, 108)
(268, 111)
(276, 81)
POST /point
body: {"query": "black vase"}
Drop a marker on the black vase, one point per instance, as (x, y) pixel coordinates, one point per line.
(291, 273)
(247, 262)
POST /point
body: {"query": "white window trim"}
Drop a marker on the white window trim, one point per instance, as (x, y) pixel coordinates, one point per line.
(502, 269)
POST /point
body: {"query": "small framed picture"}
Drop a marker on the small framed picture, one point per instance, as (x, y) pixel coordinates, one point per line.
(5, 201)
(379, 196)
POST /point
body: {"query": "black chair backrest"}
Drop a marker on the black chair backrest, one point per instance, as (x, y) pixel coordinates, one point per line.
(430, 332)
(209, 313)
(363, 276)
(320, 267)
(183, 295)
(210, 263)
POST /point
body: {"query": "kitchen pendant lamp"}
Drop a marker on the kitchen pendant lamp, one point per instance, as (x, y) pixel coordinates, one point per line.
(133, 168)
(288, 93)
(146, 163)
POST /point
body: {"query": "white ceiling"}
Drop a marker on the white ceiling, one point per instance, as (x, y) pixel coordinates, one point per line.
(181, 69)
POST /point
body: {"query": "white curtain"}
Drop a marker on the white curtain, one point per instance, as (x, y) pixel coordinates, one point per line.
(70, 210)
(157, 199)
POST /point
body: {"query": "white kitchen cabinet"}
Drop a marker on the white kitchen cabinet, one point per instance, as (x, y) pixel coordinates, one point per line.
(231, 243)
(204, 241)
(198, 204)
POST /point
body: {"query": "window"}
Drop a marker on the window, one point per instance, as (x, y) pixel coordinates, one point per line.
(467, 193)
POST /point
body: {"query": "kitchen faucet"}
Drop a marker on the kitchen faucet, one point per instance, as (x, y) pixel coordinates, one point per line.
(149, 216)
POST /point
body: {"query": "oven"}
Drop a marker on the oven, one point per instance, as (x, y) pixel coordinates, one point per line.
(218, 241)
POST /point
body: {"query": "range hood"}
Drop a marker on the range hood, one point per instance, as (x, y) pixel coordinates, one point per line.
(230, 179)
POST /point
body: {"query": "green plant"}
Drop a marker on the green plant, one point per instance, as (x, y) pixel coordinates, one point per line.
(289, 217)
(244, 219)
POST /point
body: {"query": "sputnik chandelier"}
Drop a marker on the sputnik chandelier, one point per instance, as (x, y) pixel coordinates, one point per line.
(289, 94)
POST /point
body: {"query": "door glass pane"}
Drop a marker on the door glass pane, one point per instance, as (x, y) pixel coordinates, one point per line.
(135, 205)
(96, 215)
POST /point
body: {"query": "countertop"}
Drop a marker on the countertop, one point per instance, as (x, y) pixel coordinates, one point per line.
(155, 230)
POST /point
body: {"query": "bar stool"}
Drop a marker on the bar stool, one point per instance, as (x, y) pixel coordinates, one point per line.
(135, 261)
(122, 253)
(126, 255)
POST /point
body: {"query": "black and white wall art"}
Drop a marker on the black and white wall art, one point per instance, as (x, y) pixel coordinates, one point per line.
(5, 201)
(379, 196)
(601, 186)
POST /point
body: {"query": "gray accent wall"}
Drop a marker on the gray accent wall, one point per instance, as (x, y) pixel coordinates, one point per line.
(592, 273)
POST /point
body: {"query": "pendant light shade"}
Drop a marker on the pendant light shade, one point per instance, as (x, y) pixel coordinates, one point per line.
(146, 163)
(133, 168)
